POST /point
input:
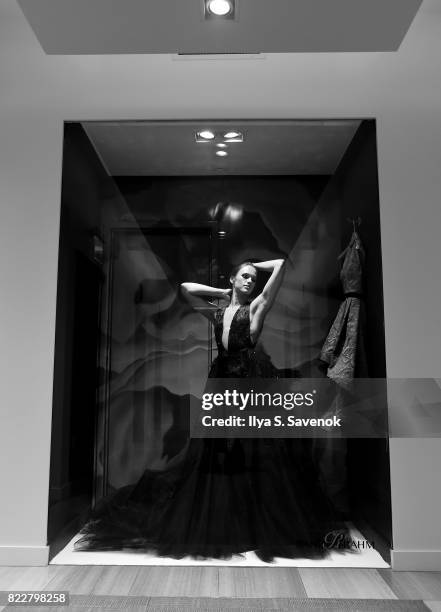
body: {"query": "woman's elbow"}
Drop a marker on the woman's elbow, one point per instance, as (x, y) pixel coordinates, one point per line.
(187, 289)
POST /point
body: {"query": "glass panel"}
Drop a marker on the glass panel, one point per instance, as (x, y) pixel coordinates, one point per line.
(161, 210)
(158, 349)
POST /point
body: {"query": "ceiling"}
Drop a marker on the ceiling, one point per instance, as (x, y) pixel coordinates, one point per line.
(178, 27)
(169, 148)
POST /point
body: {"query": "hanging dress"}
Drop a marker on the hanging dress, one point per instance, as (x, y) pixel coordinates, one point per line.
(344, 353)
(344, 350)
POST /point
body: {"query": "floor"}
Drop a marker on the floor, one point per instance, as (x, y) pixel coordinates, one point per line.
(233, 582)
(360, 555)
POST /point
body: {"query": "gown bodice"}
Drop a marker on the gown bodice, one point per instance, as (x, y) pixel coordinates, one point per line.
(244, 358)
(239, 338)
(351, 273)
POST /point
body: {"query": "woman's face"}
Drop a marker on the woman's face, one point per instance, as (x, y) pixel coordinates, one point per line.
(245, 280)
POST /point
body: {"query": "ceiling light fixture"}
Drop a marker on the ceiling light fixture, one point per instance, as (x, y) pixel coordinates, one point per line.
(219, 8)
(207, 134)
(204, 136)
(222, 145)
(233, 136)
(221, 153)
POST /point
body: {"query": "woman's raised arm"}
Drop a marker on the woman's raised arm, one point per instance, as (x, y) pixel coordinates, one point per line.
(193, 293)
(263, 302)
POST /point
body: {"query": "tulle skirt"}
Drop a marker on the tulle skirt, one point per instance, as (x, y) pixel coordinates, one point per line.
(226, 497)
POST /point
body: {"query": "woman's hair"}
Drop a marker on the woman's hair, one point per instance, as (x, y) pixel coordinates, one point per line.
(236, 269)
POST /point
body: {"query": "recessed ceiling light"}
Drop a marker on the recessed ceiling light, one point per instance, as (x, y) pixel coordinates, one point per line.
(222, 145)
(206, 134)
(221, 153)
(233, 136)
(220, 8)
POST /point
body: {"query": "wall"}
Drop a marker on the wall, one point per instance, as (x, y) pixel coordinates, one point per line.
(85, 185)
(37, 93)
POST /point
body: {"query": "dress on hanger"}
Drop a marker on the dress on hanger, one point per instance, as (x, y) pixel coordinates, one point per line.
(227, 496)
(344, 350)
(344, 353)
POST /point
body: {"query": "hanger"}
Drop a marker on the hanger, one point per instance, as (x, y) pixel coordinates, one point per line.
(356, 222)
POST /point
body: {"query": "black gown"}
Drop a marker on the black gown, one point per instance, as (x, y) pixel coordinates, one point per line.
(227, 496)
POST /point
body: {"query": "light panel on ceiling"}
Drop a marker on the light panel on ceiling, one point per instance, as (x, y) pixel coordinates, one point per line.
(177, 26)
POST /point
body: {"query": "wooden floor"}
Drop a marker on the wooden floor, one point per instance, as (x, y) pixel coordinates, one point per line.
(227, 582)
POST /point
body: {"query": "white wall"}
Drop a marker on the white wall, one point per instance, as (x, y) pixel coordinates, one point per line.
(402, 90)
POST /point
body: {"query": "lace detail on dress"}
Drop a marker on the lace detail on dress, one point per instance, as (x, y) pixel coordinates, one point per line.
(239, 336)
(243, 358)
(343, 349)
(351, 274)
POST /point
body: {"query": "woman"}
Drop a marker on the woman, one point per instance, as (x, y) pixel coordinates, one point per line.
(238, 326)
(226, 496)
